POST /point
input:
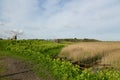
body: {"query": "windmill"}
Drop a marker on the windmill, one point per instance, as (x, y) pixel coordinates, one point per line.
(15, 33)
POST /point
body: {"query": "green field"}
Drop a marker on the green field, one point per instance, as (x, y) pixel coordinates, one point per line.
(43, 56)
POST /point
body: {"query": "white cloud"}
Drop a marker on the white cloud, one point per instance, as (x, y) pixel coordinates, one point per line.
(50, 19)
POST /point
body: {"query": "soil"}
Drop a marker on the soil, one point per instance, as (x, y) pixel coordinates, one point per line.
(16, 70)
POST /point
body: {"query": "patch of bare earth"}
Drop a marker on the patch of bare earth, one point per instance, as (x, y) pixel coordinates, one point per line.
(16, 70)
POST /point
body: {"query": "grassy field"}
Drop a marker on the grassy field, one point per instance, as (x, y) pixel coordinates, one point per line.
(93, 52)
(46, 64)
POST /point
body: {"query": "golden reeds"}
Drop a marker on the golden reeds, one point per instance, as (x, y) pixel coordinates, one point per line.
(90, 52)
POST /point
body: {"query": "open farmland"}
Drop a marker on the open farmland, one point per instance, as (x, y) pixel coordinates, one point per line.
(44, 58)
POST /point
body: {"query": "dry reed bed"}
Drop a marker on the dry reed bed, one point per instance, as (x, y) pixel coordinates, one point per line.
(112, 58)
(91, 52)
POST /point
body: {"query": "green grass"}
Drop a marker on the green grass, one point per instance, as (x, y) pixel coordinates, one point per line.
(41, 54)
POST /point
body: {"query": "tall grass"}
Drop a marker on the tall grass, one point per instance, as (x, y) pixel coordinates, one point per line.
(113, 58)
(91, 52)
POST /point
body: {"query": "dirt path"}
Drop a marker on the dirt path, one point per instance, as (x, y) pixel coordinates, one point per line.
(16, 70)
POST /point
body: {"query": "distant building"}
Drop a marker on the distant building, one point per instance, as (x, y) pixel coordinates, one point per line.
(14, 37)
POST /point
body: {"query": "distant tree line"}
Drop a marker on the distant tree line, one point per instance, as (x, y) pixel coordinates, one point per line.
(76, 40)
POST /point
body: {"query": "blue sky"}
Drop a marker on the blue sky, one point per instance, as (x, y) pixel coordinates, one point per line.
(48, 19)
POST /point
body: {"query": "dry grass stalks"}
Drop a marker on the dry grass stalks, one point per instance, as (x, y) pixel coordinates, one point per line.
(112, 58)
(90, 52)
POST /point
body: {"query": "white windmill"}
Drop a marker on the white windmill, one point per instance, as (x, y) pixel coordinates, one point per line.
(15, 33)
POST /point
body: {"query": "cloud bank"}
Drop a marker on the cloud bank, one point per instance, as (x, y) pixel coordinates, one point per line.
(98, 19)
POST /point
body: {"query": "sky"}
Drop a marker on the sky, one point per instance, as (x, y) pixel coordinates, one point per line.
(49, 19)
